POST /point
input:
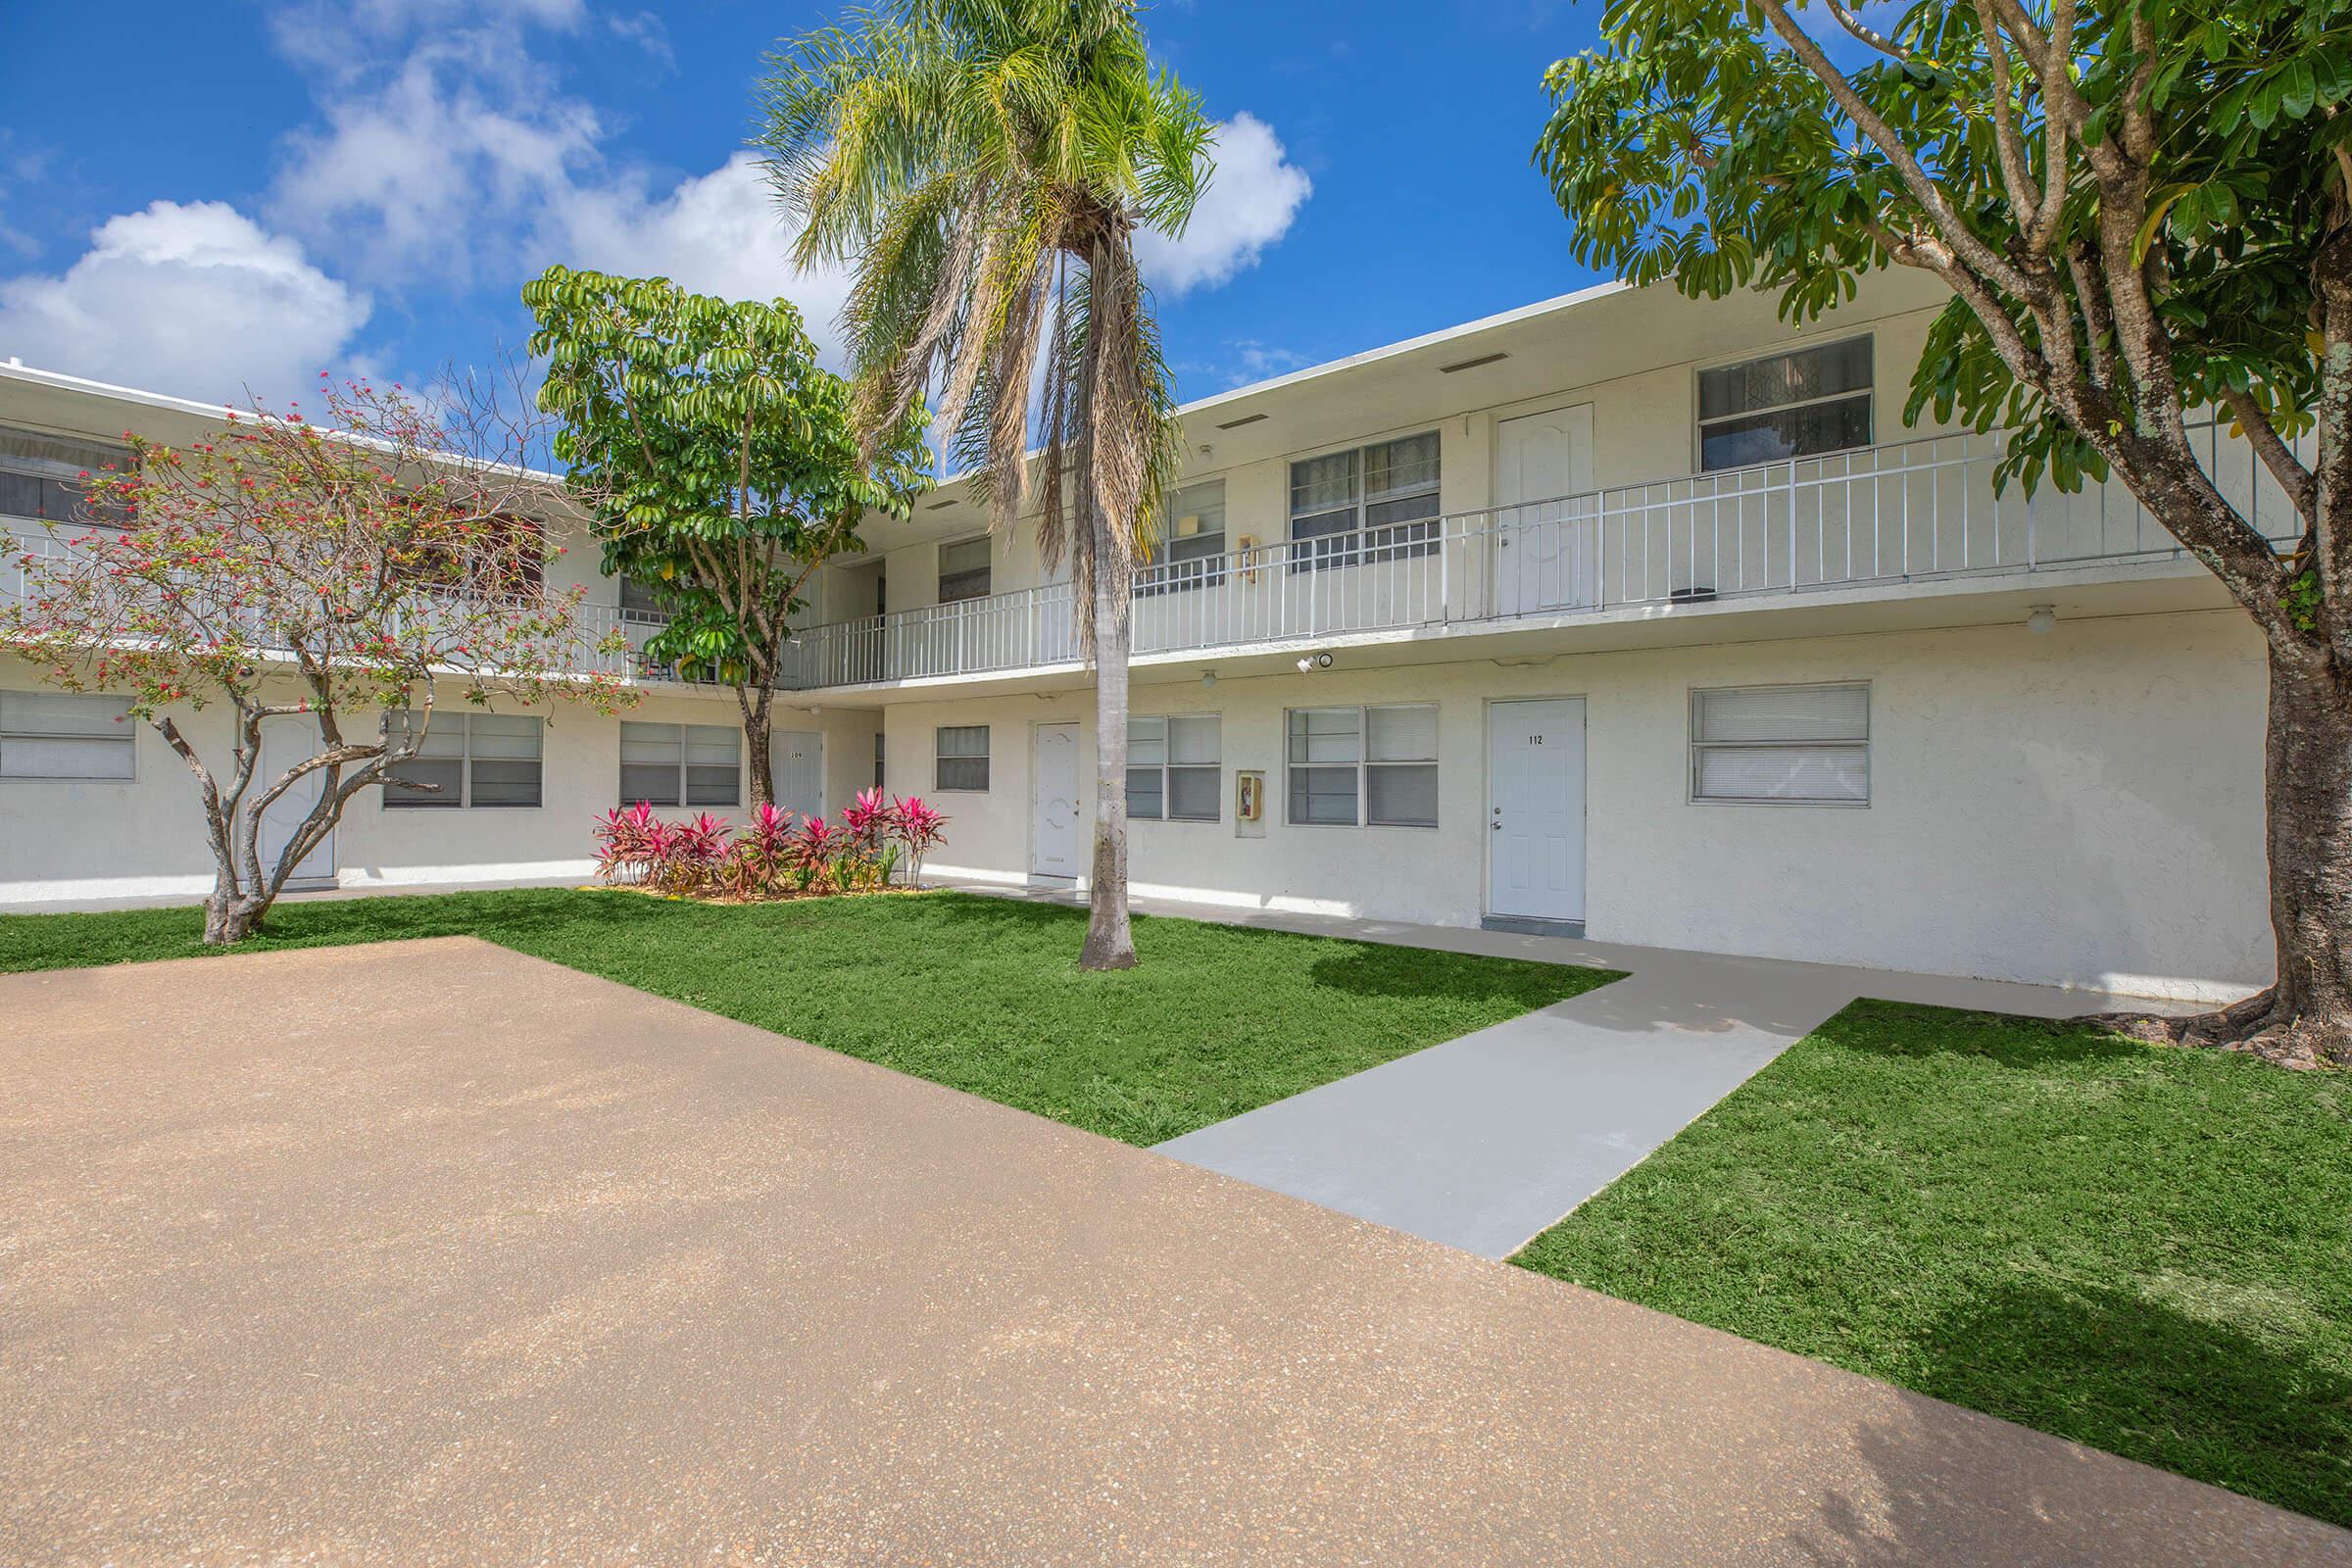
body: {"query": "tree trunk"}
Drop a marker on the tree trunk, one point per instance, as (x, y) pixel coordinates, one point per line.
(1109, 941)
(2305, 1019)
(758, 725)
(230, 914)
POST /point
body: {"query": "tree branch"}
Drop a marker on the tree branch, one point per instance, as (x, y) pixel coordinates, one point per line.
(1965, 242)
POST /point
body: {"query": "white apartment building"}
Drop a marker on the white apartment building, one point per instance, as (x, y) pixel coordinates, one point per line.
(1622, 613)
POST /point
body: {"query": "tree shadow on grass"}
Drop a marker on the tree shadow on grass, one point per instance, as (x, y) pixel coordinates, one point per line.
(1916, 1030)
(1378, 970)
(2258, 1414)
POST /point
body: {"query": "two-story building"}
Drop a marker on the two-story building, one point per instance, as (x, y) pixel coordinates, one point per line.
(1621, 613)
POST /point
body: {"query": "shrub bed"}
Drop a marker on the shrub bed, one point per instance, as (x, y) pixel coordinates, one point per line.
(776, 855)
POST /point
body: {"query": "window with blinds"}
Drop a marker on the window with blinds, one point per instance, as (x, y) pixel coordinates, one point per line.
(1375, 765)
(41, 479)
(963, 570)
(1377, 502)
(469, 759)
(1776, 745)
(1785, 405)
(1172, 772)
(1193, 553)
(960, 758)
(680, 765)
(66, 735)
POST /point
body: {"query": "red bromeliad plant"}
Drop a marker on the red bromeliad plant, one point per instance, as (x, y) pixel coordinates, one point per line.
(344, 578)
(919, 828)
(695, 851)
(759, 859)
(629, 844)
(772, 855)
(812, 849)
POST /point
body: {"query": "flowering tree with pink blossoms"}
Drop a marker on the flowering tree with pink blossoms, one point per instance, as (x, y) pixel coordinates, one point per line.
(349, 573)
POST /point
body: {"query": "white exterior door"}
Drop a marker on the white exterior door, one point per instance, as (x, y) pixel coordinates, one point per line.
(796, 760)
(1053, 801)
(284, 743)
(1535, 810)
(1546, 546)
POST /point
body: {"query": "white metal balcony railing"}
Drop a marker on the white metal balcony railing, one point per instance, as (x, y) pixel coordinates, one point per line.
(594, 621)
(1903, 511)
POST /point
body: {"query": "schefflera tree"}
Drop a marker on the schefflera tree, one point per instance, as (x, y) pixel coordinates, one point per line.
(720, 462)
(2144, 210)
(349, 574)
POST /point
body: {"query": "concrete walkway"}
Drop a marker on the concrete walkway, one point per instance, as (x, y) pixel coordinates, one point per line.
(1483, 1142)
(431, 1252)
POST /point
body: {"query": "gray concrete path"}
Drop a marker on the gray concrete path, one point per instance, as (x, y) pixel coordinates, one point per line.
(430, 1252)
(1483, 1142)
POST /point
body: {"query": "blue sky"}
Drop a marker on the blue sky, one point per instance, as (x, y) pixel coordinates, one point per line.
(198, 199)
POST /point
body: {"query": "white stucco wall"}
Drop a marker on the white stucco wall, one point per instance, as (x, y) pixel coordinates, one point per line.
(71, 840)
(2079, 809)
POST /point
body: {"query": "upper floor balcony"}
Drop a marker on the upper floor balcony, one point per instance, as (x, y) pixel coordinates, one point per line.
(1882, 517)
(594, 653)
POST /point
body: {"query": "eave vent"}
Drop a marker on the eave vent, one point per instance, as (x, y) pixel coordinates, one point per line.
(1235, 425)
(1471, 365)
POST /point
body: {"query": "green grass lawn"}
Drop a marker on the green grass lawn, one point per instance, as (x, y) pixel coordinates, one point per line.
(2146, 1249)
(979, 993)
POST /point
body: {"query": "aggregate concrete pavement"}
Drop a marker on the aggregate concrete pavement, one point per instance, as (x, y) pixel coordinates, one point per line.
(433, 1252)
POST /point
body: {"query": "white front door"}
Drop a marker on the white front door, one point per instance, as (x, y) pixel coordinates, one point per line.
(796, 760)
(1535, 810)
(1545, 543)
(1053, 801)
(285, 742)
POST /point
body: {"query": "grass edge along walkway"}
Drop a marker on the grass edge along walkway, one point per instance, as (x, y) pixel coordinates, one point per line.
(980, 994)
(2143, 1248)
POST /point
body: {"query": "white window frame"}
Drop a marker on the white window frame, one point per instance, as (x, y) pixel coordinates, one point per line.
(939, 734)
(1867, 392)
(63, 471)
(391, 799)
(1860, 743)
(118, 709)
(1362, 765)
(685, 766)
(1183, 564)
(1357, 543)
(647, 612)
(1168, 766)
(939, 571)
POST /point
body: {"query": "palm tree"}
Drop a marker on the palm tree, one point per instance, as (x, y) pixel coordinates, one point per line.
(985, 165)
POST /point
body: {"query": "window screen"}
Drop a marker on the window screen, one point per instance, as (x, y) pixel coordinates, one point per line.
(466, 758)
(1172, 768)
(1377, 502)
(66, 735)
(962, 756)
(1401, 783)
(41, 479)
(963, 570)
(1773, 744)
(1193, 555)
(1785, 406)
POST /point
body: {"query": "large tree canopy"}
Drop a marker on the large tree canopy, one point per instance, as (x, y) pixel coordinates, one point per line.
(722, 461)
(2140, 207)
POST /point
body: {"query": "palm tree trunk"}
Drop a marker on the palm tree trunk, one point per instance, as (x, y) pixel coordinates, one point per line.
(1109, 941)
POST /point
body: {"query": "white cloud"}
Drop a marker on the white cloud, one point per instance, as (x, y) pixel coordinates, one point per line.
(715, 233)
(1250, 201)
(341, 37)
(442, 168)
(192, 298)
